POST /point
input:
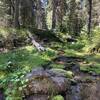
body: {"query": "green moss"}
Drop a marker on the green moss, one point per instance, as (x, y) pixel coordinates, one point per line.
(91, 68)
(76, 46)
(93, 64)
(2, 75)
(58, 97)
(59, 66)
(25, 57)
(68, 74)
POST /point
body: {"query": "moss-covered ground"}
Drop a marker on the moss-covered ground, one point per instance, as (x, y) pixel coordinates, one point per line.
(15, 64)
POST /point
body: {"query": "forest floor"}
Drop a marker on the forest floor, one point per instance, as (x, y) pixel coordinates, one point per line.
(26, 58)
(17, 63)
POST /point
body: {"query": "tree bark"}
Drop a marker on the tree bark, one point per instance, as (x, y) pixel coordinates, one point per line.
(53, 14)
(16, 15)
(90, 16)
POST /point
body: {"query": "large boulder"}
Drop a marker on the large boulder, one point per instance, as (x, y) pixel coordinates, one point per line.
(45, 82)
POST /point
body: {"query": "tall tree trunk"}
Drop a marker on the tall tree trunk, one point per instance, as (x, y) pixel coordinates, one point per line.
(58, 7)
(16, 14)
(90, 16)
(53, 14)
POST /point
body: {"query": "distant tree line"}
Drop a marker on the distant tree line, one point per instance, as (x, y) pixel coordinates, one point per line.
(63, 15)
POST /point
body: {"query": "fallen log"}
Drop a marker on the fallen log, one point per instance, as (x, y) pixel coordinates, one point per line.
(49, 35)
(38, 46)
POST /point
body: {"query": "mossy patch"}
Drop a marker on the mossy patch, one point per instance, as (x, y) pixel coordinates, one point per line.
(91, 68)
(92, 65)
(58, 97)
(68, 74)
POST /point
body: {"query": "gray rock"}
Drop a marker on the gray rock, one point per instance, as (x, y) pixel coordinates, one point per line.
(45, 82)
(38, 97)
(37, 72)
(61, 82)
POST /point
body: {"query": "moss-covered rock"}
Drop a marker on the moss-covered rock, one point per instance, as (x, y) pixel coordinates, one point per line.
(46, 82)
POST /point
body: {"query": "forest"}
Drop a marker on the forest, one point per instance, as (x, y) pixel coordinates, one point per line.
(49, 49)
